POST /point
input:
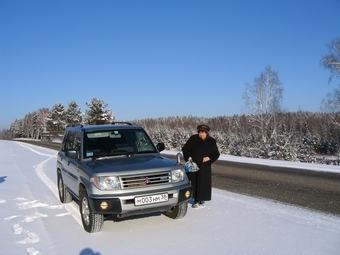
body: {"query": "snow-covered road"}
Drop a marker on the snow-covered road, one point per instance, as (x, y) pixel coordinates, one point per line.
(33, 221)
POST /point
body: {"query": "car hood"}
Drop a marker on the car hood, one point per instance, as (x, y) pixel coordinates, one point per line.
(135, 162)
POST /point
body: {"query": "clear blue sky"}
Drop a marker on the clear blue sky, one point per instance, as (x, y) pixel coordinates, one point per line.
(150, 59)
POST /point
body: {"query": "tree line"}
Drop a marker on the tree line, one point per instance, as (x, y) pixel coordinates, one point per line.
(299, 136)
(46, 123)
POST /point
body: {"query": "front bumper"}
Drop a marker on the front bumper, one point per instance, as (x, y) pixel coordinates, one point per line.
(124, 205)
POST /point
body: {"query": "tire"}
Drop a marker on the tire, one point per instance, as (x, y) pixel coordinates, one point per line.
(92, 222)
(64, 195)
(178, 211)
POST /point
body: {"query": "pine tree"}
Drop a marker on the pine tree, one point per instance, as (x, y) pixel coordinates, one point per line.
(56, 119)
(97, 113)
(73, 114)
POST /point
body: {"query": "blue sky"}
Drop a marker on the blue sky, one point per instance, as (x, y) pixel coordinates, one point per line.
(150, 59)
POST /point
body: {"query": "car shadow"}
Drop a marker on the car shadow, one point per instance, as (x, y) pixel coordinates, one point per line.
(2, 179)
(115, 218)
(88, 251)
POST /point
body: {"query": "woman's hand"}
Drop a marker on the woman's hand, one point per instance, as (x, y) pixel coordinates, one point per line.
(206, 159)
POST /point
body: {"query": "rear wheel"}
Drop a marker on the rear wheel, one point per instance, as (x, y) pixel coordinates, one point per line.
(64, 195)
(178, 211)
(92, 222)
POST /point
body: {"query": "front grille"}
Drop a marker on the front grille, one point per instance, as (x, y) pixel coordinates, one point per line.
(134, 181)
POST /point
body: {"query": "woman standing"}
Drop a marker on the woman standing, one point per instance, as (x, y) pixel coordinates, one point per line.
(201, 149)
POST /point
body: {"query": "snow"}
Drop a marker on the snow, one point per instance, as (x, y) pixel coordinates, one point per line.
(33, 221)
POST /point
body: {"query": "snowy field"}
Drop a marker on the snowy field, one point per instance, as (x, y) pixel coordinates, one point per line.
(33, 221)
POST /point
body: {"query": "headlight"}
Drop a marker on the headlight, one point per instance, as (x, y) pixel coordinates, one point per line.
(177, 175)
(106, 182)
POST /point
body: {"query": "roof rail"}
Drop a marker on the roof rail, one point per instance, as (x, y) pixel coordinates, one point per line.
(120, 123)
(75, 125)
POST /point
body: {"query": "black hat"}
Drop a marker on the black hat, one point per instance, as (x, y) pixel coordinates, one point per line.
(203, 127)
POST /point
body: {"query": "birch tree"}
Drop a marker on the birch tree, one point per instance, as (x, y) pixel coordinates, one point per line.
(263, 98)
(331, 62)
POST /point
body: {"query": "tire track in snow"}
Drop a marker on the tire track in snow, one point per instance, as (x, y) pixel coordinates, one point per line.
(35, 151)
(71, 207)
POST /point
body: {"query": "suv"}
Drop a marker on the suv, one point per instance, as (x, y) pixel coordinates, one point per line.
(116, 170)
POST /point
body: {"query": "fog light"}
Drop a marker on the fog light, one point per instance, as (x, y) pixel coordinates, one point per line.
(104, 205)
(187, 194)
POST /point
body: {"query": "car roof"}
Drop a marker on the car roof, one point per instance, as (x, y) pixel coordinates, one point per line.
(114, 125)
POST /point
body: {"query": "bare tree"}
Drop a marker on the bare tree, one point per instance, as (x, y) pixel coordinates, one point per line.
(332, 101)
(331, 61)
(263, 99)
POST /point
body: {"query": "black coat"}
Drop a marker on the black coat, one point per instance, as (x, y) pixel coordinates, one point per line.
(196, 148)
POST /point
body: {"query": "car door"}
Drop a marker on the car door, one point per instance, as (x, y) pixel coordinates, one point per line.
(70, 165)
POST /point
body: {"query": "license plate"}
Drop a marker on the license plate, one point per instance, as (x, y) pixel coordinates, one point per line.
(151, 199)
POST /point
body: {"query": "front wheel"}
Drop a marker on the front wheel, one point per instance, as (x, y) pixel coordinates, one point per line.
(92, 222)
(178, 211)
(64, 195)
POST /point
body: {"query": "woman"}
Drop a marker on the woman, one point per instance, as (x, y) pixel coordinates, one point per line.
(201, 149)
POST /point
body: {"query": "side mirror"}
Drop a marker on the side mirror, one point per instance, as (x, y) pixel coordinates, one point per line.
(160, 147)
(178, 156)
(72, 154)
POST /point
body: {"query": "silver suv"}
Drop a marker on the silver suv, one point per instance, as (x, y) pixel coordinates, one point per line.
(116, 170)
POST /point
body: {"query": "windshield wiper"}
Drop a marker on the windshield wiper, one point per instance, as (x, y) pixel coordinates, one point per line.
(109, 154)
(121, 153)
(146, 151)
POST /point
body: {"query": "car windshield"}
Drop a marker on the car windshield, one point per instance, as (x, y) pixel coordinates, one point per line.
(117, 142)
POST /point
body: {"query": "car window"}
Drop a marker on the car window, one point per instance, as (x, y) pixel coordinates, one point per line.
(73, 141)
(77, 142)
(66, 143)
(116, 142)
(143, 142)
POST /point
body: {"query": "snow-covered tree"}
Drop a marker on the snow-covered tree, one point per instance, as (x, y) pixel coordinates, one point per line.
(41, 122)
(29, 125)
(6, 134)
(97, 113)
(73, 114)
(17, 128)
(56, 119)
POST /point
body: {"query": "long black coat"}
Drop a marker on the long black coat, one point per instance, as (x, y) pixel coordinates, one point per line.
(196, 148)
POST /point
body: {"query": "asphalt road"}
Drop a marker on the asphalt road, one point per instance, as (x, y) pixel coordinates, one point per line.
(318, 191)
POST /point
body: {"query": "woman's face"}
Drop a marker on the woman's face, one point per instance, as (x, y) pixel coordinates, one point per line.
(202, 134)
